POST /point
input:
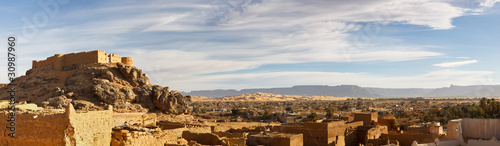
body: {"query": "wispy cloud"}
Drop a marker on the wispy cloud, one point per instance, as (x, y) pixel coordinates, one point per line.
(181, 41)
(455, 64)
(488, 3)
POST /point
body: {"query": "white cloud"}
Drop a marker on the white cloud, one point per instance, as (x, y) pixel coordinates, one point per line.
(455, 64)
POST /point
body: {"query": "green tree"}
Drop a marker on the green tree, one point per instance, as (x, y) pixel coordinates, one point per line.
(266, 116)
(289, 109)
(329, 113)
(239, 112)
(312, 117)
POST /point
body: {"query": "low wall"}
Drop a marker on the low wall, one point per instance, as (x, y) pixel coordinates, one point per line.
(178, 131)
(142, 119)
(137, 138)
(407, 139)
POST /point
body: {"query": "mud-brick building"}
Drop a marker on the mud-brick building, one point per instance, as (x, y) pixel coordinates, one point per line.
(326, 133)
(368, 118)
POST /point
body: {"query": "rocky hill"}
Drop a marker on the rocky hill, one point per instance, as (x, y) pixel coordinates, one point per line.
(94, 86)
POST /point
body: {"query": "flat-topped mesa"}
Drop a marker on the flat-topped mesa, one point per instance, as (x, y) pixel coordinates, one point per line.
(64, 62)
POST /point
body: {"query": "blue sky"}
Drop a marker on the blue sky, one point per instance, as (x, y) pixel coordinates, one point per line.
(236, 44)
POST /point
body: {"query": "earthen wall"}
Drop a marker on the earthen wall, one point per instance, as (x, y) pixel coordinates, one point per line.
(58, 128)
(92, 127)
(35, 128)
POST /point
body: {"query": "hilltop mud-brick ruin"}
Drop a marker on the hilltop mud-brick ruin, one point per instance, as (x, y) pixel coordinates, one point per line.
(92, 81)
(60, 62)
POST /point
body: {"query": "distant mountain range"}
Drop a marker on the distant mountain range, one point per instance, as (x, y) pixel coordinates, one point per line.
(356, 91)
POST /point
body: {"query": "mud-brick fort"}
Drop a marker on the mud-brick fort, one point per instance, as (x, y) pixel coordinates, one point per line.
(62, 62)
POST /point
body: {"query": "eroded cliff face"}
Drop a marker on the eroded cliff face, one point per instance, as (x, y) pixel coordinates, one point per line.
(93, 87)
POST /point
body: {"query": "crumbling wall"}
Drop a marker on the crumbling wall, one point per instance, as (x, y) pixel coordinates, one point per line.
(165, 125)
(136, 138)
(204, 138)
(220, 128)
(233, 138)
(178, 131)
(142, 119)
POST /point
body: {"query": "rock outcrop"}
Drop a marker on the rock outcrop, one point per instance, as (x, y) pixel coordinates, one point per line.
(94, 86)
